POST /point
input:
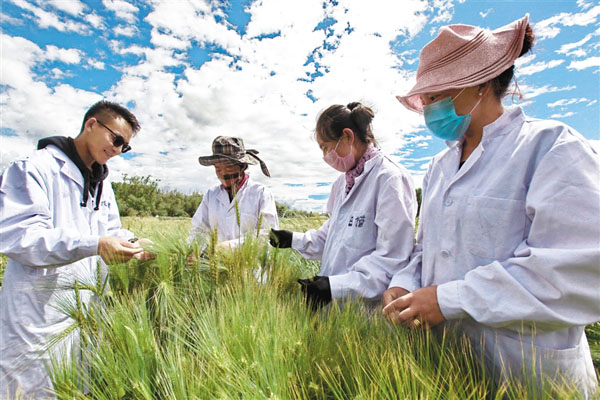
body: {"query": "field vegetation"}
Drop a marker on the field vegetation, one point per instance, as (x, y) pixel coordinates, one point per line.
(234, 325)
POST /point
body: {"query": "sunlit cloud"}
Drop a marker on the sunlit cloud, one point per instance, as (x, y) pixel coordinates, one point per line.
(189, 75)
(565, 102)
(73, 7)
(584, 4)
(583, 64)
(539, 66)
(569, 47)
(485, 13)
(565, 115)
(529, 92)
(68, 56)
(122, 9)
(7, 19)
(549, 28)
(45, 19)
(125, 30)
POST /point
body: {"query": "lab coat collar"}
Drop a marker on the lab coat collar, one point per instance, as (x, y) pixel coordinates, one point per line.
(503, 125)
(509, 117)
(223, 196)
(68, 167)
(376, 160)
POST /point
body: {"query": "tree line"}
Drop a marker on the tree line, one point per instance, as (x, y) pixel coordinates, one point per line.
(140, 196)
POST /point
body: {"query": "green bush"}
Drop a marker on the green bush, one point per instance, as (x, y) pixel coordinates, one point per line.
(140, 196)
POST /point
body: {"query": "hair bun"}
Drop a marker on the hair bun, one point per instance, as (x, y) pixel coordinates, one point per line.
(353, 105)
(528, 40)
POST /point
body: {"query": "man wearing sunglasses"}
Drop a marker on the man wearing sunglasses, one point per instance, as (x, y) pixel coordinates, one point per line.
(58, 222)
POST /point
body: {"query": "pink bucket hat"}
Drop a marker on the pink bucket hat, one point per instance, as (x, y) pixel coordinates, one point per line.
(463, 56)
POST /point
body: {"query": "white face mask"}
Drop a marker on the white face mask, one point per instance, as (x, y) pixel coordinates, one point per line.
(338, 162)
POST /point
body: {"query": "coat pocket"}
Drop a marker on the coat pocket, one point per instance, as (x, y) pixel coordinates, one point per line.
(557, 365)
(493, 227)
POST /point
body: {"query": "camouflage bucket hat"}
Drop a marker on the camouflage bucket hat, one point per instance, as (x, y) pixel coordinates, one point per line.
(231, 150)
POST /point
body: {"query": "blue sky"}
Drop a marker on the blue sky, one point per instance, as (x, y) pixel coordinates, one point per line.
(262, 70)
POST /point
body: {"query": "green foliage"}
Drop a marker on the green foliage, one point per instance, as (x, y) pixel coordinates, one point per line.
(140, 196)
(234, 325)
(285, 211)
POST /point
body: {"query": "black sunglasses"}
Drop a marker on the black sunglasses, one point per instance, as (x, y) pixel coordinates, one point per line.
(118, 141)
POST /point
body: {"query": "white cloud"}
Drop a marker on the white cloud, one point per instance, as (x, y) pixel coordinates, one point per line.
(73, 7)
(14, 147)
(94, 20)
(569, 47)
(46, 19)
(524, 60)
(26, 97)
(122, 9)
(591, 103)
(125, 30)
(168, 41)
(584, 4)
(193, 21)
(565, 102)
(539, 66)
(95, 63)
(565, 115)
(444, 11)
(7, 19)
(584, 64)
(252, 87)
(485, 13)
(549, 28)
(68, 56)
(255, 91)
(529, 92)
(56, 73)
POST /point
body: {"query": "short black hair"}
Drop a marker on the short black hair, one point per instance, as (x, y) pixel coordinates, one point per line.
(104, 107)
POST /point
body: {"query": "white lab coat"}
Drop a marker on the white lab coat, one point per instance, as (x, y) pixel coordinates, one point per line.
(216, 211)
(369, 235)
(51, 241)
(513, 241)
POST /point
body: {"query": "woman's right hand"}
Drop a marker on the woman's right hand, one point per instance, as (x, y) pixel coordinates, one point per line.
(280, 238)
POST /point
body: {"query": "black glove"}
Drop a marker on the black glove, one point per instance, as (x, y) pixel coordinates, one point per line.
(317, 291)
(281, 239)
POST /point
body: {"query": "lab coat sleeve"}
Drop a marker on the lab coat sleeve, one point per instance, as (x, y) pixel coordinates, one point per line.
(200, 222)
(311, 243)
(409, 276)
(114, 219)
(269, 212)
(26, 223)
(395, 212)
(552, 280)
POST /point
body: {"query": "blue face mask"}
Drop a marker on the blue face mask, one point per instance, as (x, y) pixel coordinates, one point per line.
(442, 121)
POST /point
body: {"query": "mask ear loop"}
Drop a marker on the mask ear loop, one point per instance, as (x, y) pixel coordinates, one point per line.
(459, 93)
(481, 96)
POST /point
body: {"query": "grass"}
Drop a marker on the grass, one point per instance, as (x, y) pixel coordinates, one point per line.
(167, 330)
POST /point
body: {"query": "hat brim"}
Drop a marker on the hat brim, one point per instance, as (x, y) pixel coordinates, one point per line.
(226, 159)
(507, 41)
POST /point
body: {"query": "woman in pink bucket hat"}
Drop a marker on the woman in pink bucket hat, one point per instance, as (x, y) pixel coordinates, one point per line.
(508, 242)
